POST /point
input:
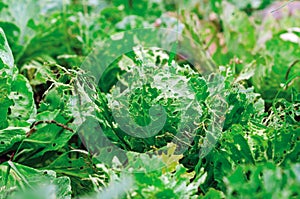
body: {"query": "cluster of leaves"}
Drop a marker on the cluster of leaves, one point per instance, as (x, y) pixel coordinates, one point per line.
(153, 125)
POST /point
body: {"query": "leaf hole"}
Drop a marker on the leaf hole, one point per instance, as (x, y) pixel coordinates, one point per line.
(234, 193)
(248, 174)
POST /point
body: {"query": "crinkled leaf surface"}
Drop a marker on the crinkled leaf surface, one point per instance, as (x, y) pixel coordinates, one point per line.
(6, 72)
(23, 107)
